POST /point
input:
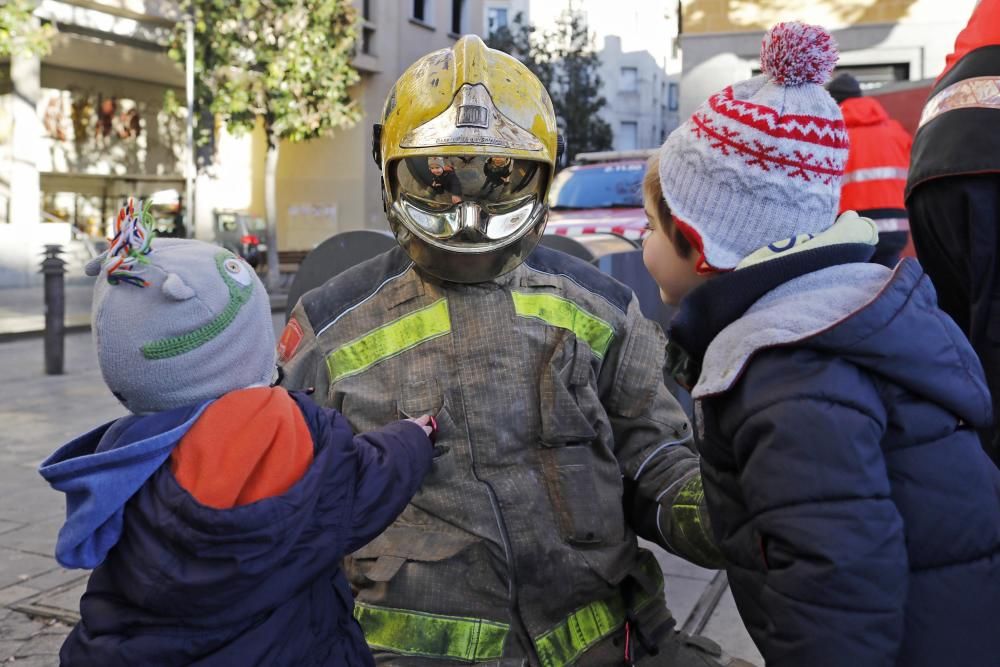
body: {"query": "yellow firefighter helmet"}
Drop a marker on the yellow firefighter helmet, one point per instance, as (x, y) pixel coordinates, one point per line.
(467, 146)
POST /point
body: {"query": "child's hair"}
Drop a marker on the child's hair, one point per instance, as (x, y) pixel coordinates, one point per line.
(653, 191)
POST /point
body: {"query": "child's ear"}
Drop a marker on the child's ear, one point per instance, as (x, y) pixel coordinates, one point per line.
(175, 288)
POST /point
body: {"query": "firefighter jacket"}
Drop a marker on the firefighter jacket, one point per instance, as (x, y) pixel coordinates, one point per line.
(956, 135)
(877, 164)
(557, 444)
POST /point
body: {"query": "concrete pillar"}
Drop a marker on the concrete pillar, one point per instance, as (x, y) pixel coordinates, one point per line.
(26, 140)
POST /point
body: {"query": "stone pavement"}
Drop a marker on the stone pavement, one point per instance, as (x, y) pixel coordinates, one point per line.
(39, 599)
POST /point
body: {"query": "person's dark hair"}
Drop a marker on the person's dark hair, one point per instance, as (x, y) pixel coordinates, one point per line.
(843, 87)
(652, 190)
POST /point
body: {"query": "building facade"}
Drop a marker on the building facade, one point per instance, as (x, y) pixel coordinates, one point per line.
(642, 98)
(881, 41)
(87, 125)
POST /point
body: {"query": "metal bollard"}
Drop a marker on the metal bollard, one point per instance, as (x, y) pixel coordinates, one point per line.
(54, 270)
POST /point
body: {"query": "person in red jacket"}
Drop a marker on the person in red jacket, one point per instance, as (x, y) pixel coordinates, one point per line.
(877, 163)
(953, 193)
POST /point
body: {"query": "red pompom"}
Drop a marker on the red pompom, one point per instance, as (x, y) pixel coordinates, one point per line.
(796, 53)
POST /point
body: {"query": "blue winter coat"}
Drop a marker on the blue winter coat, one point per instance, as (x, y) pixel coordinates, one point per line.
(835, 410)
(258, 584)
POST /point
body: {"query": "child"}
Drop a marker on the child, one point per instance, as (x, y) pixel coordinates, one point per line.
(835, 405)
(217, 513)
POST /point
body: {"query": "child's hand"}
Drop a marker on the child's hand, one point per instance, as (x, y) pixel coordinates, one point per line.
(427, 423)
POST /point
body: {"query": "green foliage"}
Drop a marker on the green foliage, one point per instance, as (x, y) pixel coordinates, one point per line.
(19, 34)
(566, 63)
(287, 62)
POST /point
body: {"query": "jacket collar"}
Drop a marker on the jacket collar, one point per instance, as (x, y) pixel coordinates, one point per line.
(718, 302)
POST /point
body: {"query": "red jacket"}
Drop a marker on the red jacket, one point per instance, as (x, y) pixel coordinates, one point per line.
(877, 164)
(983, 29)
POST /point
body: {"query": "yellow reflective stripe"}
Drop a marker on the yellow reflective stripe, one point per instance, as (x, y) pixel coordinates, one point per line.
(389, 340)
(590, 624)
(565, 314)
(431, 635)
(473, 640)
(686, 515)
(582, 629)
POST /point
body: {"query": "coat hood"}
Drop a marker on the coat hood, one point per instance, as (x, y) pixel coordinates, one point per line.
(860, 111)
(101, 470)
(885, 322)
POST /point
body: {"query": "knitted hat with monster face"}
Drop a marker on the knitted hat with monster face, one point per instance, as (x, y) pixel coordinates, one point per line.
(177, 322)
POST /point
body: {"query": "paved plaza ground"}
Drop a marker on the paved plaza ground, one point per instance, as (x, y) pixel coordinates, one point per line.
(38, 599)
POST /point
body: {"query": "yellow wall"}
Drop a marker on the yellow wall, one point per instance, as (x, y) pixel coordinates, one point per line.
(319, 186)
(708, 16)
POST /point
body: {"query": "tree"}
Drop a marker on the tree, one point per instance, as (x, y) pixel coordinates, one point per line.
(20, 33)
(565, 62)
(286, 62)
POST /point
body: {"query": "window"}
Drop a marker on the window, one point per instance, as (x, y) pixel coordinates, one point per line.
(367, 29)
(628, 136)
(611, 185)
(871, 76)
(875, 76)
(496, 18)
(629, 82)
(674, 97)
(419, 10)
(367, 40)
(457, 11)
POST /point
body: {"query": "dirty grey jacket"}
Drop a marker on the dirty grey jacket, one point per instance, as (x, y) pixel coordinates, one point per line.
(558, 443)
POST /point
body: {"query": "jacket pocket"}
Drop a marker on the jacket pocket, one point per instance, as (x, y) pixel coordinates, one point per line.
(582, 476)
(425, 397)
(570, 407)
(381, 560)
(419, 398)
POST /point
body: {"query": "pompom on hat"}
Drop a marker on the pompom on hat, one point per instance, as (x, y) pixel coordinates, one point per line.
(176, 321)
(761, 160)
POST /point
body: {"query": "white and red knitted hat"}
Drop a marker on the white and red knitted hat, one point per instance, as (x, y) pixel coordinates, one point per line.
(760, 161)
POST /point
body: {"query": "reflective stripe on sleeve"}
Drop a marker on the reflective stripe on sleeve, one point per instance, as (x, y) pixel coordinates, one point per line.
(892, 224)
(565, 314)
(875, 174)
(685, 513)
(389, 340)
(981, 92)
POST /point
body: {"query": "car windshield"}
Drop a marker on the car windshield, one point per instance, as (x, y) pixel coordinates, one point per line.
(616, 185)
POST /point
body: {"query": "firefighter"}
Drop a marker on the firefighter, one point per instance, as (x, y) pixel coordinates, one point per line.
(877, 163)
(953, 193)
(558, 442)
